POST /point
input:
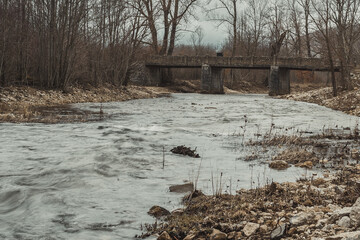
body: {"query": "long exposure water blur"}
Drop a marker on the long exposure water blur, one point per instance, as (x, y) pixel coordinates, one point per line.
(97, 180)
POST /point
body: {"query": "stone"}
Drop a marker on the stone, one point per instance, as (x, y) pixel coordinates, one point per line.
(345, 236)
(178, 211)
(278, 232)
(355, 213)
(235, 235)
(250, 228)
(164, 236)
(263, 228)
(218, 235)
(190, 237)
(300, 219)
(158, 212)
(344, 222)
(341, 212)
(182, 188)
(321, 223)
(279, 165)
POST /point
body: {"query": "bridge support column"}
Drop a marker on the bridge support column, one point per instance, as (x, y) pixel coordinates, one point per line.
(212, 79)
(279, 81)
(155, 75)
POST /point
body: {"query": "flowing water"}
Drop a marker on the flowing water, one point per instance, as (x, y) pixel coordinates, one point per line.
(97, 180)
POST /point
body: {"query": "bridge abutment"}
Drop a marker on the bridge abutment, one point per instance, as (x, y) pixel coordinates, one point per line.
(279, 81)
(212, 79)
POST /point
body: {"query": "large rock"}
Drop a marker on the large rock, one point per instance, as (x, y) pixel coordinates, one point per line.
(218, 235)
(164, 236)
(355, 213)
(250, 228)
(158, 212)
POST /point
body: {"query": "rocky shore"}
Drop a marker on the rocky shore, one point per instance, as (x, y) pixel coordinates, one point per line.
(319, 207)
(27, 104)
(326, 208)
(346, 101)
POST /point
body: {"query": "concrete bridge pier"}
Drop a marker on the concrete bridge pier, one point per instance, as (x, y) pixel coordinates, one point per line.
(279, 81)
(212, 79)
(155, 75)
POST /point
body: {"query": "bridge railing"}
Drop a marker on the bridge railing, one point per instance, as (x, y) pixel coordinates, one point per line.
(196, 61)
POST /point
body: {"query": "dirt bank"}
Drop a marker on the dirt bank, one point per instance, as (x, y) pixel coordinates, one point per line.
(27, 104)
(346, 101)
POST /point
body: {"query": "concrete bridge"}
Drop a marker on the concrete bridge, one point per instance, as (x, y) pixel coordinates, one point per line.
(212, 68)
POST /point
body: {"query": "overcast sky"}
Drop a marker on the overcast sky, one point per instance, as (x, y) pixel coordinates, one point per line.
(212, 34)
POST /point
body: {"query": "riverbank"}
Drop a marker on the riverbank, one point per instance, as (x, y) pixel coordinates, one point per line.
(346, 101)
(27, 104)
(317, 207)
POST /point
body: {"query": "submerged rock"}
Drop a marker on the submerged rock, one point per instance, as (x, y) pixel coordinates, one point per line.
(183, 188)
(158, 212)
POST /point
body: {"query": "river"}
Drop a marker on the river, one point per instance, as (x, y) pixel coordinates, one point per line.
(97, 180)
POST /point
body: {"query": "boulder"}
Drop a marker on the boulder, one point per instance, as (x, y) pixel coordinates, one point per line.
(250, 228)
(279, 165)
(355, 213)
(158, 212)
(218, 235)
(164, 236)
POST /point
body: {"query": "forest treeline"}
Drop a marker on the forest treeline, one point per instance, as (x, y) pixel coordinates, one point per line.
(57, 43)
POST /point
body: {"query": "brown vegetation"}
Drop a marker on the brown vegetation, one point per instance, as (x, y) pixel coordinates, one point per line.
(304, 209)
(27, 104)
(346, 101)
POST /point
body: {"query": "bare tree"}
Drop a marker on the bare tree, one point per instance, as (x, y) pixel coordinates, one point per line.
(345, 16)
(322, 21)
(226, 12)
(257, 20)
(306, 6)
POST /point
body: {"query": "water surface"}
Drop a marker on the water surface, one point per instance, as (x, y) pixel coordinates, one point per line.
(97, 180)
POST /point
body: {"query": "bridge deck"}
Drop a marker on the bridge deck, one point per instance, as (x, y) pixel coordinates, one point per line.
(313, 64)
